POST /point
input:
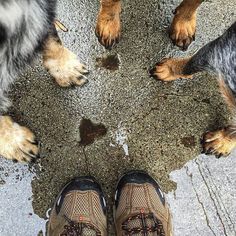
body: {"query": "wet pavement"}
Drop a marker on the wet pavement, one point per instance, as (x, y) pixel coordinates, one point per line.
(133, 122)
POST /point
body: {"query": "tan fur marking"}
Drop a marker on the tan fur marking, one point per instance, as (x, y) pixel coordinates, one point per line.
(108, 25)
(16, 142)
(62, 64)
(171, 69)
(219, 143)
(222, 142)
(183, 27)
(227, 95)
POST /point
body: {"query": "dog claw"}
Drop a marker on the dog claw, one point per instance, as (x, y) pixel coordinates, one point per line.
(35, 142)
(219, 155)
(174, 11)
(209, 151)
(152, 71)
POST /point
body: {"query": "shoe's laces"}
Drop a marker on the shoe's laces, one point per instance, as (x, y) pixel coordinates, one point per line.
(77, 229)
(148, 224)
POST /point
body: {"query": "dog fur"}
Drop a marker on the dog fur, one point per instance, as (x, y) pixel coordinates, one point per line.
(26, 28)
(219, 57)
(182, 30)
(24, 25)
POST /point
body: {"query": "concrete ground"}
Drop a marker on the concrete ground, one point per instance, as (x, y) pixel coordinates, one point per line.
(144, 124)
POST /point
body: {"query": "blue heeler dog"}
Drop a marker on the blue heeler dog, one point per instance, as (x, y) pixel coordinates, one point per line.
(218, 56)
(26, 28)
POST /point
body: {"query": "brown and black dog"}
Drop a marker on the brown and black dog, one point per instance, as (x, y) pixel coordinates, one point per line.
(182, 30)
(219, 57)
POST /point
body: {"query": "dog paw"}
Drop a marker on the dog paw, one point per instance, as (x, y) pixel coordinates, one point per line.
(108, 26)
(169, 69)
(218, 143)
(64, 66)
(17, 142)
(183, 28)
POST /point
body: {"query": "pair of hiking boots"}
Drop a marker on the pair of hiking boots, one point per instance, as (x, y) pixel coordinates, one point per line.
(140, 208)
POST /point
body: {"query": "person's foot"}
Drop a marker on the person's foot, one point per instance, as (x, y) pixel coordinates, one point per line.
(140, 207)
(79, 210)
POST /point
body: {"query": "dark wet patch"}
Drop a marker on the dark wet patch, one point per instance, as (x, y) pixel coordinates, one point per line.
(206, 100)
(188, 141)
(89, 132)
(2, 181)
(109, 62)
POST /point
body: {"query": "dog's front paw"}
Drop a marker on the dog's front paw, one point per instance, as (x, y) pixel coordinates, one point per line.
(183, 28)
(108, 26)
(169, 69)
(218, 143)
(64, 65)
(17, 142)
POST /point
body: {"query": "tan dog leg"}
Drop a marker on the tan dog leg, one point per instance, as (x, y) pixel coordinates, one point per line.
(63, 64)
(108, 23)
(16, 142)
(219, 143)
(223, 141)
(170, 69)
(183, 27)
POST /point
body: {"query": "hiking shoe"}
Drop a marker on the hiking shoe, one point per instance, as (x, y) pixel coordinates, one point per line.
(79, 210)
(140, 207)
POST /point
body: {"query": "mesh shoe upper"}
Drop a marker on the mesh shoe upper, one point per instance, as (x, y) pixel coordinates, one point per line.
(78, 213)
(140, 210)
(143, 223)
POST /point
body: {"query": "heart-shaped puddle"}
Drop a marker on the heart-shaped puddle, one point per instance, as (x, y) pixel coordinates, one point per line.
(89, 132)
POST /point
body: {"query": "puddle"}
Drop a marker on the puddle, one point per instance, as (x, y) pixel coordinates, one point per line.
(189, 141)
(16, 211)
(109, 62)
(89, 132)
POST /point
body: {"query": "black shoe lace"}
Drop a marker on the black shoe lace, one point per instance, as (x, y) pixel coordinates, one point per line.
(145, 228)
(77, 229)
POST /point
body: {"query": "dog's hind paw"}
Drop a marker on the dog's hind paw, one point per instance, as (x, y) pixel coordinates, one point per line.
(108, 26)
(63, 65)
(17, 142)
(169, 69)
(183, 28)
(218, 143)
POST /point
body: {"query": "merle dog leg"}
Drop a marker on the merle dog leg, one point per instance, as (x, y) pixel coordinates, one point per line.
(183, 27)
(218, 56)
(108, 26)
(223, 141)
(170, 69)
(61, 63)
